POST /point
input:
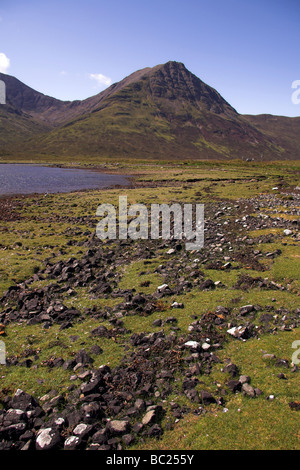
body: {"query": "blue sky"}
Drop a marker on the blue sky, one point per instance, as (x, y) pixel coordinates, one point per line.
(247, 49)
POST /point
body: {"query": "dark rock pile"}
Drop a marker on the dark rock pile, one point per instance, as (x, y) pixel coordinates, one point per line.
(109, 409)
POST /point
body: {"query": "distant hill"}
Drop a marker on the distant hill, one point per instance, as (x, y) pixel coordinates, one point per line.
(164, 112)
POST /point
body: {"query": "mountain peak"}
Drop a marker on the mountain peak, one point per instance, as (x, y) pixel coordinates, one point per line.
(173, 81)
(163, 111)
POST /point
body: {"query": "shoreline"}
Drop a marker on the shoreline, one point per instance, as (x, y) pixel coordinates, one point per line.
(98, 170)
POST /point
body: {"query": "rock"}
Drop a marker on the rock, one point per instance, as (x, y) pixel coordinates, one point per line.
(207, 398)
(117, 427)
(244, 379)
(207, 284)
(248, 390)
(23, 401)
(270, 397)
(177, 305)
(281, 376)
(171, 320)
(95, 349)
(266, 317)
(155, 431)
(88, 388)
(164, 288)
(82, 357)
(231, 369)
(294, 405)
(194, 345)
(14, 416)
(69, 364)
(189, 383)
(85, 375)
(137, 428)
(222, 311)
(241, 332)
(234, 385)
(128, 439)
(101, 436)
(269, 356)
(29, 445)
(227, 265)
(287, 232)
(27, 435)
(140, 405)
(153, 415)
(246, 309)
(83, 430)
(48, 439)
(195, 369)
(192, 395)
(99, 331)
(92, 411)
(72, 443)
(282, 363)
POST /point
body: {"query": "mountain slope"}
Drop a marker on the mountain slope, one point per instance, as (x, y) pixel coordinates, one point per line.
(161, 112)
(285, 129)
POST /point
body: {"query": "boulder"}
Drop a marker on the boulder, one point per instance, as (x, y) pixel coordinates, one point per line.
(117, 427)
(48, 439)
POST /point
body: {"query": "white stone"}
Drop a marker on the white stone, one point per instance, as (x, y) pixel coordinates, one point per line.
(44, 438)
(80, 428)
(163, 287)
(72, 440)
(192, 344)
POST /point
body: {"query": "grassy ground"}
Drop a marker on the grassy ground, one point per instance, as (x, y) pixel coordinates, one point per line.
(55, 228)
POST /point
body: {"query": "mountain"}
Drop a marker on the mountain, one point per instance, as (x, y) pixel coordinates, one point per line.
(163, 112)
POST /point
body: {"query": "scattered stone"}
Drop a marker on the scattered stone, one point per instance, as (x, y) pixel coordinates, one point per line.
(294, 405)
(207, 284)
(207, 398)
(282, 376)
(234, 385)
(177, 305)
(152, 415)
(48, 439)
(248, 390)
(269, 357)
(240, 332)
(194, 345)
(244, 379)
(282, 363)
(72, 443)
(117, 427)
(246, 309)
(231, 369)
(155, 431)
